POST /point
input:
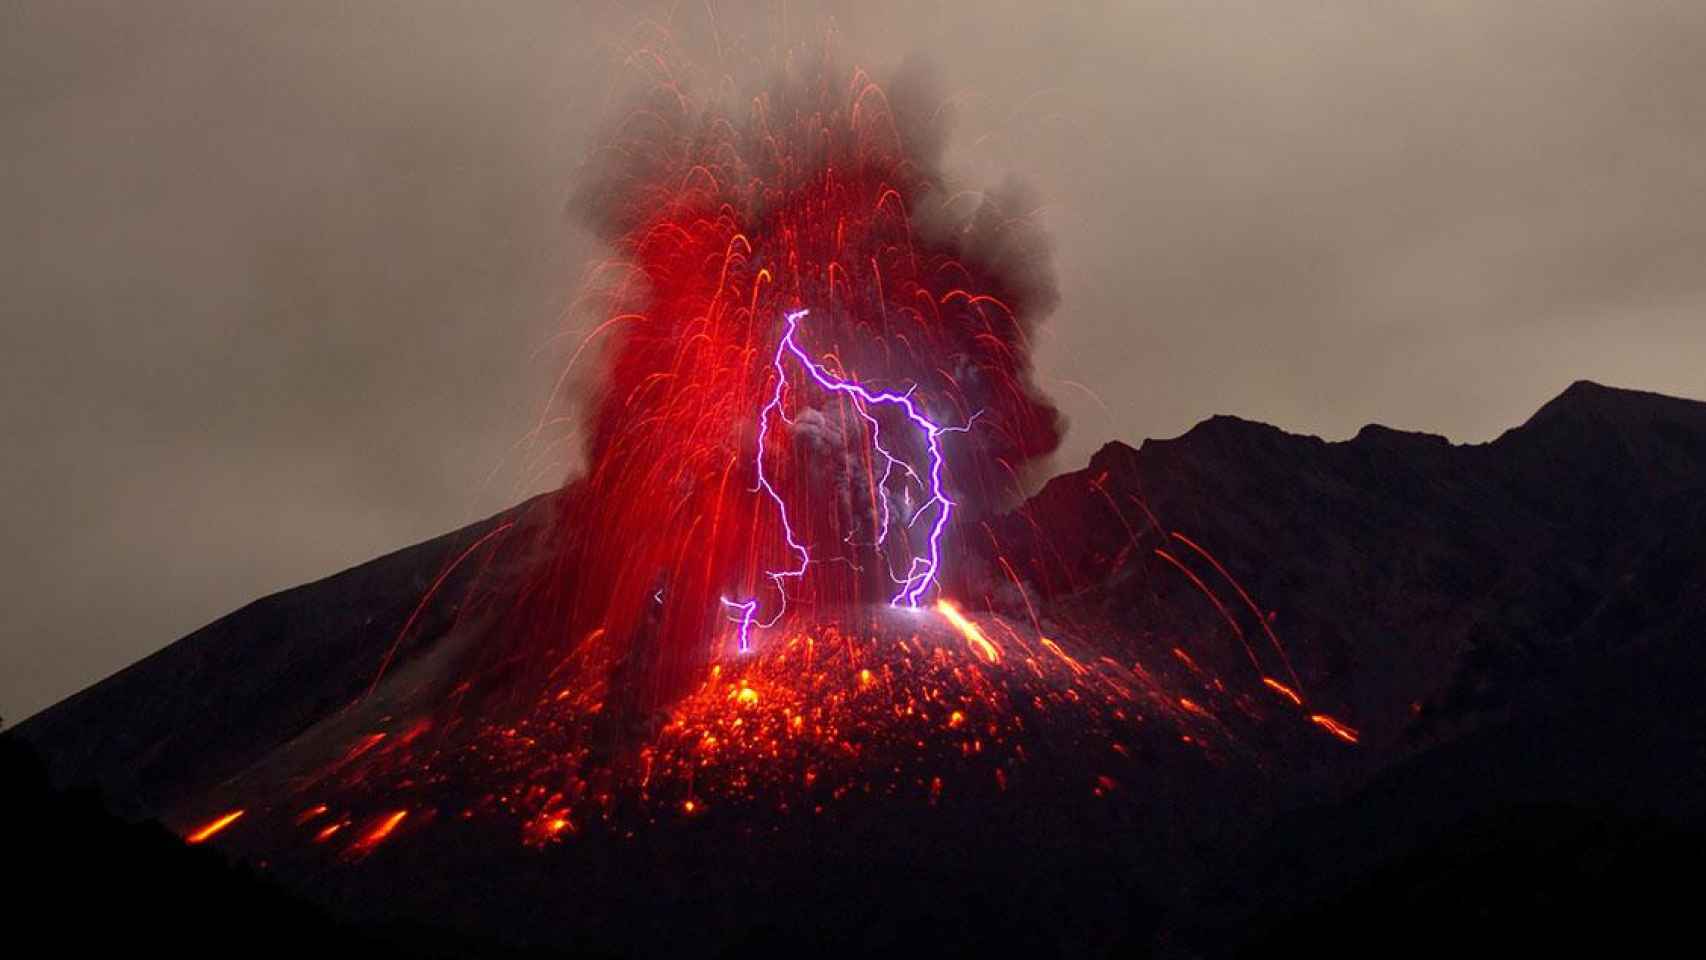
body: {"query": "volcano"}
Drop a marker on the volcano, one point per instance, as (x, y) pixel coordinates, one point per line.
(1206, 683)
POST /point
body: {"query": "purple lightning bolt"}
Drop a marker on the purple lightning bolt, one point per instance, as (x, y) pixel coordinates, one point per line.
(921, 573)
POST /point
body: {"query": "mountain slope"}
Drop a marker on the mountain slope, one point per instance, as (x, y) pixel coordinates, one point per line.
(1422, 586)
(1488, 625)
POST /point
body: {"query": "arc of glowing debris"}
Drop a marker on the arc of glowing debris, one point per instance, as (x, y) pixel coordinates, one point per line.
(921, 572)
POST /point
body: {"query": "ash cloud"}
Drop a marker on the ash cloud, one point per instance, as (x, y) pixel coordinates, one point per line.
(804, 166)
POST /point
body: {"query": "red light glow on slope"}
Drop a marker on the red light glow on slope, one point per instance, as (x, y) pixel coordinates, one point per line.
(973, 635)
(1334, 727)
(377, 834)
(208, 830)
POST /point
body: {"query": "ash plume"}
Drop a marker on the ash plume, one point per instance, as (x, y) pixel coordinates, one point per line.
(823, 191)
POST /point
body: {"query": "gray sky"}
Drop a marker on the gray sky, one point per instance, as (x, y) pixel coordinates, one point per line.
(279, 280)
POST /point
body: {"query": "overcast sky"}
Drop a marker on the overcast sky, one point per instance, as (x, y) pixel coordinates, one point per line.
(280, 280)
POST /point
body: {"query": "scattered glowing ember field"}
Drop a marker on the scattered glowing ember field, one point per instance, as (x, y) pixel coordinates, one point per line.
(810, 389)
(898, 706)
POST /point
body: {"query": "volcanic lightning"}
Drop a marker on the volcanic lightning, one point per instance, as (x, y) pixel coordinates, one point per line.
(921, 571)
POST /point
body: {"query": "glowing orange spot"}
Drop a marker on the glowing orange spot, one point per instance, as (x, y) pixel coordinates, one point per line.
(326, 834)
(865, 678)
(747, 696)
(689, 806)
(956, 718)
(970, 631)
(1334, 727)
(380, 831)
(1284, 690)
(207, 830)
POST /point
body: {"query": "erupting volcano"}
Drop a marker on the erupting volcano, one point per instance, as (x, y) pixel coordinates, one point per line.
(785, 578)
(804, 652)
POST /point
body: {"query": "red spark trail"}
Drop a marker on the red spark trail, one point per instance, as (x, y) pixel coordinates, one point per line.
(207, 830)
(1257, 611)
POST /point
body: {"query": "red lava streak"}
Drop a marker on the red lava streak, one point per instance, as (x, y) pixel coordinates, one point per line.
(973, 635)
(1334, 727)
(208, 830)
(377, 834)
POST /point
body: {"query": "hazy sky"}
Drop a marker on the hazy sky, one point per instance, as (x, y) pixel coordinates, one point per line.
(280, 279)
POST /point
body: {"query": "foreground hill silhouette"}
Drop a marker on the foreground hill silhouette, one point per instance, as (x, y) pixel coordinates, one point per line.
(1513, 627)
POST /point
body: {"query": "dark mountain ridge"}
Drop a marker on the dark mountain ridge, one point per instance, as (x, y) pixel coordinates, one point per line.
(1423, 584)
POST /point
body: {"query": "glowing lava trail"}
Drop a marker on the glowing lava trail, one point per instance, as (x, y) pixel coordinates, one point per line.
(921, 570)
(208, 830)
